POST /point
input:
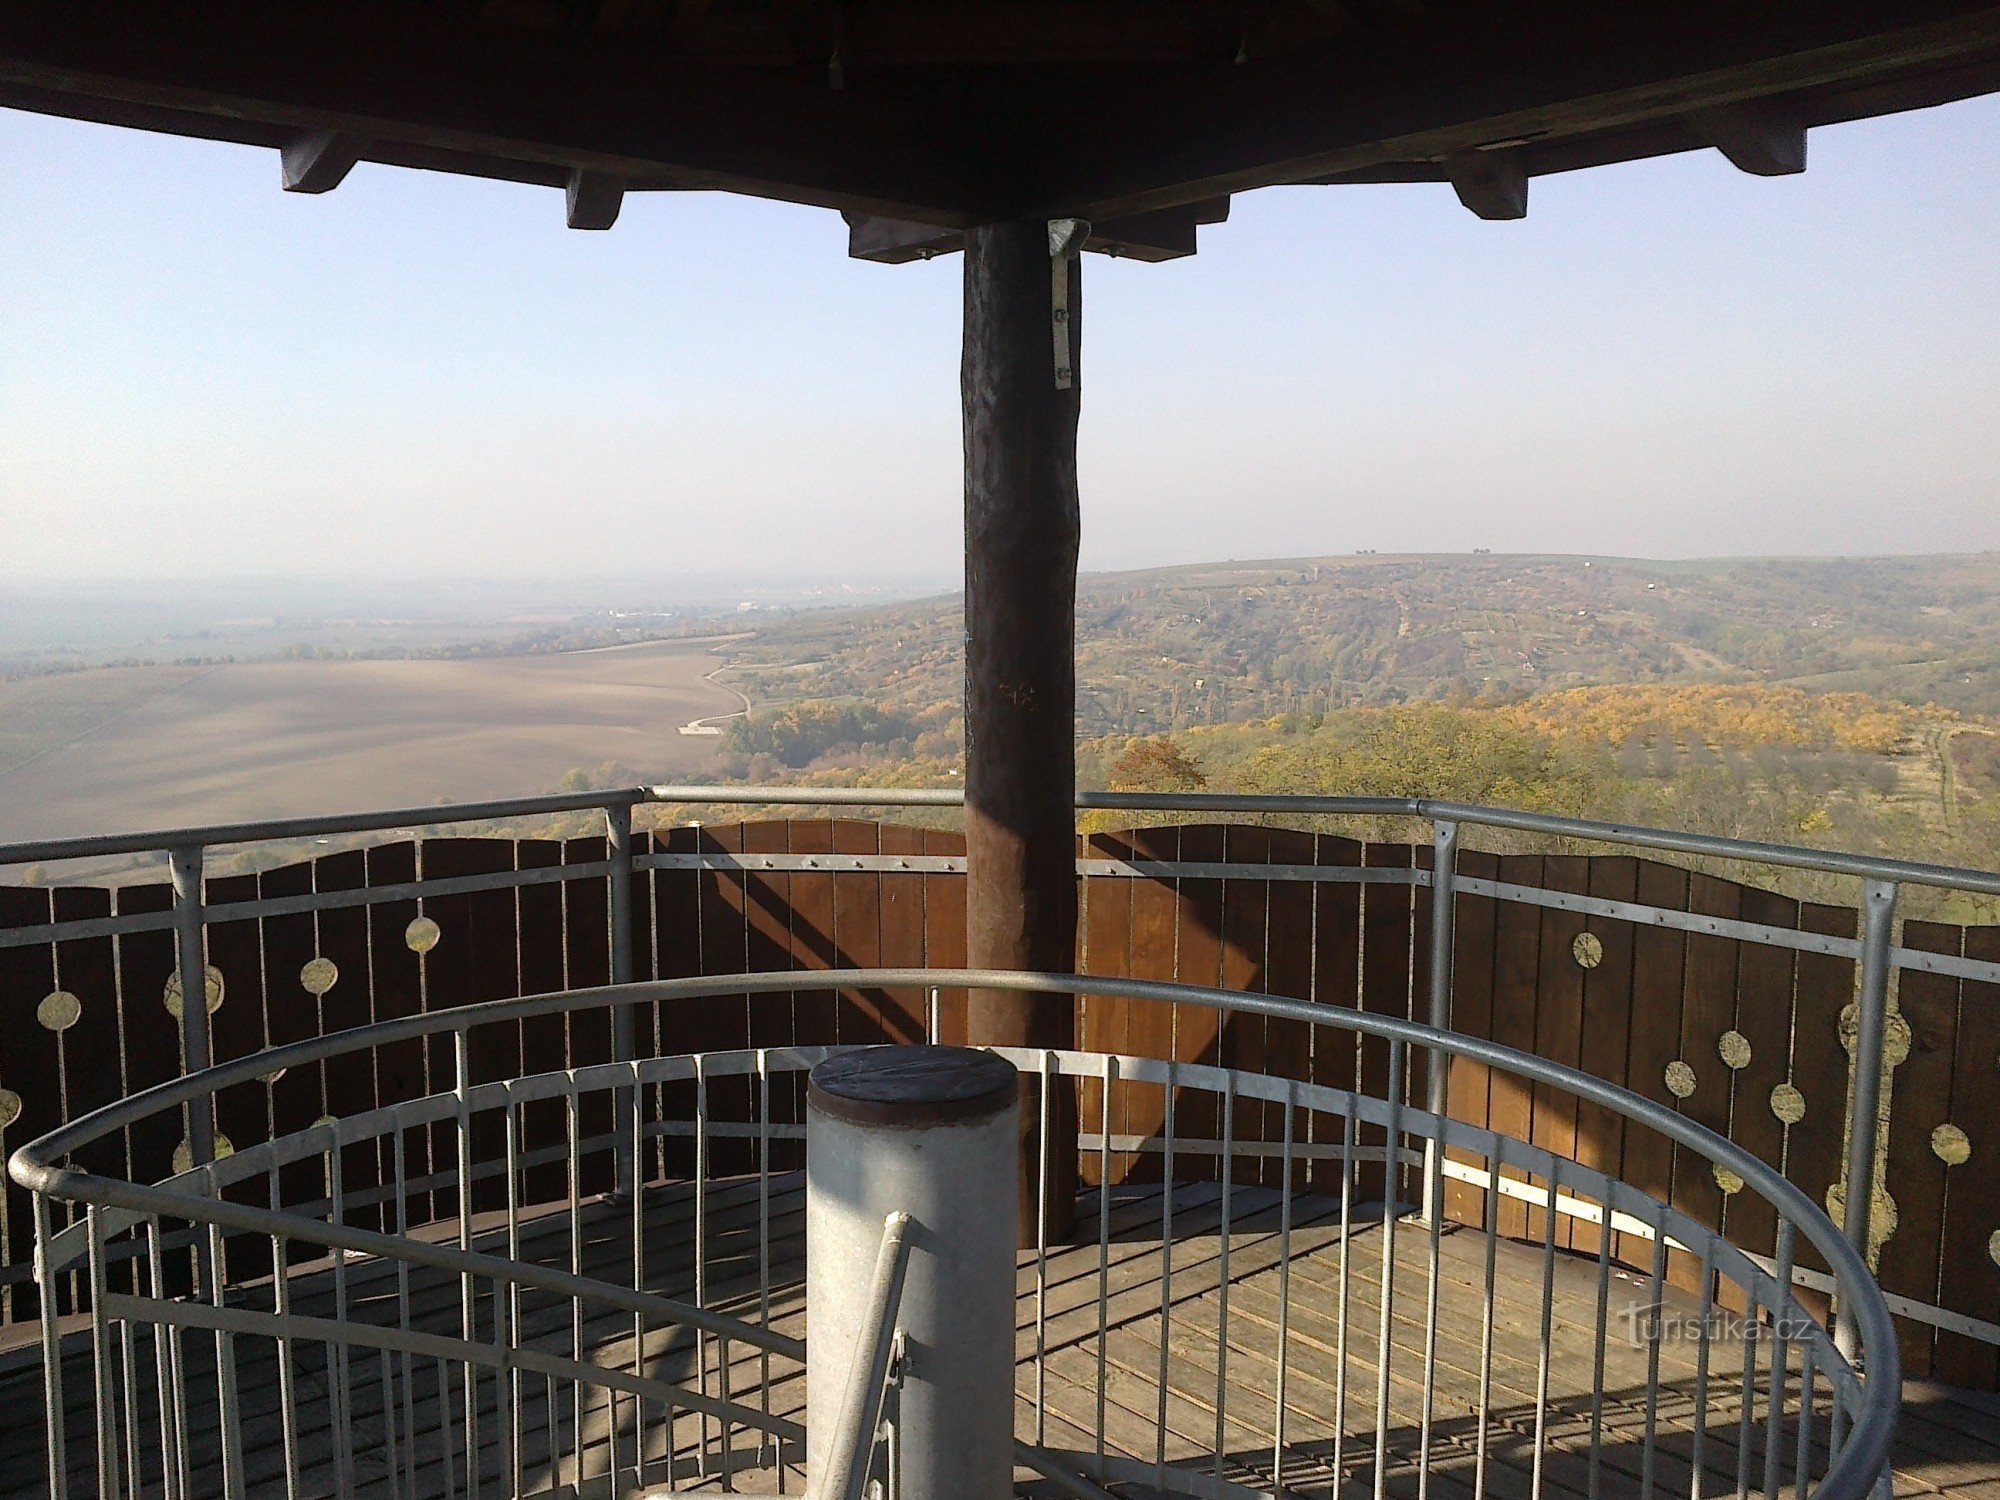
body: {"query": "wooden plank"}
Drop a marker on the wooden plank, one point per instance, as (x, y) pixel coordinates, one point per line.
(91, 1059)
(1385, 988)
(1658, 955)
(543, 1040)
(1765, 981)
(1517, 938)
(341, 938)
(722, 932)
(944, 930)
(813, 937)
(1969, 1278)
(241, 1026)
(1708, 1009)
(1472, 971)
(151, 1040)
(1824, 987)
(1422, 856)
(1288, 971)
(1604, 1050)
(1104, 936)
(857, 928)
(768, 949)
(474, 960)
(1336, 981)
(1559, 1022)
(900, 921)
(1200, 1034)
(289, 943)
(30, 1068)
(1921, 1100)
(396, 989)
(587, 1035)
(721, 1023)
(1150, 1028)
(1245, 962)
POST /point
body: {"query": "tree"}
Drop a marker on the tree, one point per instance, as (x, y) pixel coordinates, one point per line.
(1155, 765)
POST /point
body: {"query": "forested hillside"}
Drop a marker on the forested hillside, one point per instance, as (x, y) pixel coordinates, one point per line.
(1839, 703)
(1174, 648)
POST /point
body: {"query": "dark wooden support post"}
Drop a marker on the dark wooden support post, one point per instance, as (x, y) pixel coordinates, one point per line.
(1021, 528)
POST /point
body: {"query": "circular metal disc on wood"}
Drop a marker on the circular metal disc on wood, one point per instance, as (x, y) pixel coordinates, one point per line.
(912, 1085)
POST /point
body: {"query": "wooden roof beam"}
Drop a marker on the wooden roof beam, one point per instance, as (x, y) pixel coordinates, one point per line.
(1493, 184)
(1758, 138)
(593, 199)
(1548, 75)
(1166, 235)
(319, 160)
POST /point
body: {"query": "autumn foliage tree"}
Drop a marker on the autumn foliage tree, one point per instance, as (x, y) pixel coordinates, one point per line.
(1156, 764)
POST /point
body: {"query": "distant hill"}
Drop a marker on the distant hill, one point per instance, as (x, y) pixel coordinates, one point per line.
(1172, 648)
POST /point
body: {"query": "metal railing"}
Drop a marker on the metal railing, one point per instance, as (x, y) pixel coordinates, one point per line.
(874, 1372)
(477, 1386)
(1874, 950)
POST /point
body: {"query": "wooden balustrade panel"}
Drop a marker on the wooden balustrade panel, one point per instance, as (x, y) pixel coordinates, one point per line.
(1742, 1037)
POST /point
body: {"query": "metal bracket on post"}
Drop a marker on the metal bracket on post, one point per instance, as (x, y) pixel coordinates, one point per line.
(624, 1048)
(1864, 1096)
(1437, 1070)
(191, 968)
(1066, 237)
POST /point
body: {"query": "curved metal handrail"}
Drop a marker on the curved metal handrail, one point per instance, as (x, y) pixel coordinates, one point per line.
(34, 1167)
(623, 799)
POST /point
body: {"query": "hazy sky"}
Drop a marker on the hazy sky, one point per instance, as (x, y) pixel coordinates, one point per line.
(202, 375)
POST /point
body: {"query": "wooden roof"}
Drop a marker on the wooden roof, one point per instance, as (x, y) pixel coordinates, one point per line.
(919, 117)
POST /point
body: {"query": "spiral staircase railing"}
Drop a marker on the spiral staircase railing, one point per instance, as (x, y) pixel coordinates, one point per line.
(253, 1328)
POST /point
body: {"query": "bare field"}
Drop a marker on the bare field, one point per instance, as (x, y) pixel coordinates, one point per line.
(173, 746)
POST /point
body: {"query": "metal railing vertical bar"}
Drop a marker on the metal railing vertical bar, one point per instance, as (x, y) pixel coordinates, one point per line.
(1698, 1438)
(701, 1339)
(1166, 1272)
(1487, 1304)
(338, 1368)
(1746, 1400)
(234, 1482)
(1341, 1320)
(1222, 1272)
(1386, 1308)
(1780, 1356)
(624, 1023)
(1599, 1350)
(1104, 1248)
(1655, 1305)
(851, 1452)
(128, 1355)
(516, 1437)
(1878, 918)
(1284, 1330)
(100, 1355)
(1437, 1075)
(573, 1191)
(1802, 1454)
(288, 1414)
(1434, 1222)
(1045, 1093)
(461, 1053)
(169, 1361)
(400, 1179)
(1545, 1335)
(634, 1108)
(764, 1256)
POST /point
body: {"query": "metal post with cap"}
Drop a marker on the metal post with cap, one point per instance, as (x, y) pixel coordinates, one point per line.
(921, 1132)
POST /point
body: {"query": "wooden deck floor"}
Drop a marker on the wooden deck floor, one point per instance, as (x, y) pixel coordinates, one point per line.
(1221, 1373)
